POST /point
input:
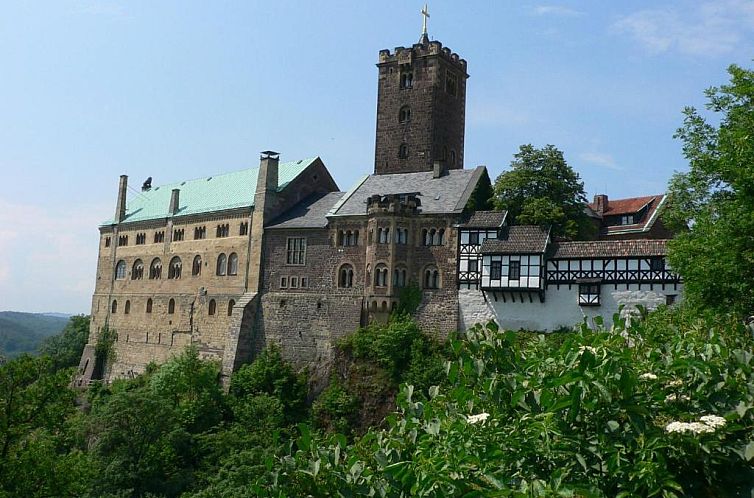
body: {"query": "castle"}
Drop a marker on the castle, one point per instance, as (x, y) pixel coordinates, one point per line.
(233, 262)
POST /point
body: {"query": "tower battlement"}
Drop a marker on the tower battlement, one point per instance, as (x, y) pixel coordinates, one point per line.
(393, 204)
(404, 55)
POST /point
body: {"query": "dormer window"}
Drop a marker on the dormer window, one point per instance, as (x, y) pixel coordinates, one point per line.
(627, 219)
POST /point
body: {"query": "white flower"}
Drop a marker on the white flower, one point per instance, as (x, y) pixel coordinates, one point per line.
(587, 348)
(713, 421)
(648, 376)
(673, 398)
(473, 419)
(675, 383)
(692, 427)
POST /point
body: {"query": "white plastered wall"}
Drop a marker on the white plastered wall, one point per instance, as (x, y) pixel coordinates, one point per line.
(560, 308)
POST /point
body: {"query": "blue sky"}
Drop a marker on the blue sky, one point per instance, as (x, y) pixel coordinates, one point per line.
(93, 89)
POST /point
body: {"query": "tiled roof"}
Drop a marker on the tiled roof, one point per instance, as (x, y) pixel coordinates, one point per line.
(518, 239)
(617, 207)
(610, 248)
(204, 195)
(309, 213)
(485, 219)
(447, 194)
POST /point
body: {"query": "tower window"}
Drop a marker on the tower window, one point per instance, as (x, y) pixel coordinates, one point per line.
(159, 237)
(403, 151)
(120, 270)
(231, 304)
(451, 84)
(141, 239)
(212, 307)
(171, 306)
(107, 241)
(196, 268)
(452, 158)
(404, 114)
(244, 229)
(407, 79)
(178, 235)
(149, 305)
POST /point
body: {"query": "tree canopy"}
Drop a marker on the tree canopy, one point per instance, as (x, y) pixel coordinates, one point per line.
(542, 189)
(715, 199)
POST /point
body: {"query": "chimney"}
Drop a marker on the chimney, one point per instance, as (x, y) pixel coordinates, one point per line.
(267, 184)
(120, 208)
(600, 203)
(438, 169)
(174, 205)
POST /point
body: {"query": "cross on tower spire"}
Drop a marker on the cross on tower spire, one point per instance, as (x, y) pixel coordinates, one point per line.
(425, 13)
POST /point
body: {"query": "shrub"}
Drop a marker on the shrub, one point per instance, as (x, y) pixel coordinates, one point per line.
(336, 410)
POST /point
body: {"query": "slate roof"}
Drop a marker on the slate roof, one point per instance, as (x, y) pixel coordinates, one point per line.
(518, 239)
(447, 194)
(485, 219)
(309, 213)
(610, 248)
(208, 194)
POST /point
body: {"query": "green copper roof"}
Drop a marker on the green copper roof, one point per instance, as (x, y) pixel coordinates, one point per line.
(204, 195)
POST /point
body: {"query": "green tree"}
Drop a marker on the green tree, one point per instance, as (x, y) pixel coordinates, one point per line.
(270, 374)
(541, 189)
(65, 348)
(715, 199)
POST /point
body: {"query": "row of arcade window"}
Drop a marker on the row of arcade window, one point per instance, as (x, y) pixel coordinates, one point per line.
(431, 277)
(211, 309)
(226, 265)
(200, 233)
(348, 238)
(433, 237)
(430, 236)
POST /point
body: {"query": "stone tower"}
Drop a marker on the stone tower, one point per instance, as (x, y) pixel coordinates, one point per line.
(421, 108)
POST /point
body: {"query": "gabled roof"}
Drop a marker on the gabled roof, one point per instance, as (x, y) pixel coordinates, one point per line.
(610, 248)
(485, 219)
(617, 207)
(447, 194)
(518, 239)
(309, 213)
(208, 194)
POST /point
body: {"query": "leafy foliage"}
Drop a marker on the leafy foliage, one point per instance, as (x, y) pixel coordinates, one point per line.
(65, 348)
(541, 189)
(335, 409)
(715, 200)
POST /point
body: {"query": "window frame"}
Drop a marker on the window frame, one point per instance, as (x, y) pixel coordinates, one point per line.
(295, 256)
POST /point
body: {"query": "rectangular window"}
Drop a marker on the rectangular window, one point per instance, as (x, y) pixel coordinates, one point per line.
(473, 265)
(107, 241)
(296, 251)
(159, 237)
(627, 219)
(670, 299)
(657, 264)
(123, 240)
(589, 294)
(474, 238)
(294, 282)
(514, 271)
(243, 229)
(496, 270)
(178, 235)
(141, 239)
(304, 282)
(200, 233)
(283, 282)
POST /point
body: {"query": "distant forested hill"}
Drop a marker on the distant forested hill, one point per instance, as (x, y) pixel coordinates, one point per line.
(23, 332)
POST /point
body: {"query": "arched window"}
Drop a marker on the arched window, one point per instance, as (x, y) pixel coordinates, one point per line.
(174, 271)
(440, 237)
(431, 278)
(368, 275)
(345, 276)
(233, 264)
(120, 270)
(127, 308)
(231, 304)
(114, 307)
(403, 151)
(340, 241)
(137, 272)
(404, 115)
(196, 267)
(425, 237)
(171, 306)
(212, 307)
(221, 264)
(155, 269)
(149, 305)
(380, 276)
(399, 277)
(356, 237)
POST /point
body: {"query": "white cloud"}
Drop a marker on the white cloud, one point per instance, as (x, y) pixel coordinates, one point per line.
(49, 257)
(710, 29)
(600, 159)
(556, 10)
